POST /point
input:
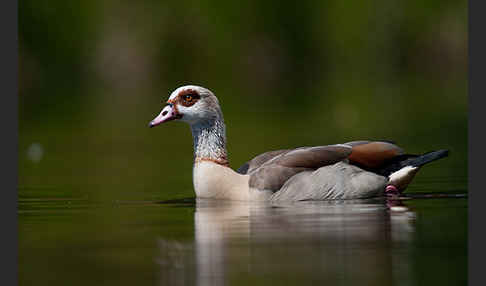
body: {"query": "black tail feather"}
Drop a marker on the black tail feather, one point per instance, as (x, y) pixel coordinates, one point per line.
(404, 160)
(428, 157)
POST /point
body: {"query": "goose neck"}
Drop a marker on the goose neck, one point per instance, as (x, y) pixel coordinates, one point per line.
(210, 141)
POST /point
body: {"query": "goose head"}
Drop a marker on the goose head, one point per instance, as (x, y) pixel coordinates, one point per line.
(191, 104)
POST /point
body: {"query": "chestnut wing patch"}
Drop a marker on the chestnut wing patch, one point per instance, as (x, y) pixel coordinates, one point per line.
(373, 155)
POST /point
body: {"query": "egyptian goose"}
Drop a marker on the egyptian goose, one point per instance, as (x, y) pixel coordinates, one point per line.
(353, 170)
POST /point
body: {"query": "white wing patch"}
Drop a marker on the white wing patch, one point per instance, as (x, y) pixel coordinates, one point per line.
(401, 174)
(402, 177)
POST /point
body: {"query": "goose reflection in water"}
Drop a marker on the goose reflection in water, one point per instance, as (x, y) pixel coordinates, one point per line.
(337, 242)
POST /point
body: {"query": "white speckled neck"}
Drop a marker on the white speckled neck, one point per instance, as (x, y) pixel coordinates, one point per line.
(210, 140)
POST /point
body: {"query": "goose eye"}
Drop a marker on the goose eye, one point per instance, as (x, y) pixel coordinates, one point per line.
(188, 97)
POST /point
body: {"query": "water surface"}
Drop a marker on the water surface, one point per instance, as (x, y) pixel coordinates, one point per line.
(420, 239)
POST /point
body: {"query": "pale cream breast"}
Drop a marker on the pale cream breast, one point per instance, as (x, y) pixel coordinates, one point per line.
(212, 180)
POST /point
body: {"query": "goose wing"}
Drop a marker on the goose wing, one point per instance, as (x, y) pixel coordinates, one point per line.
(259, 160)
(273, 170)
(374, 155)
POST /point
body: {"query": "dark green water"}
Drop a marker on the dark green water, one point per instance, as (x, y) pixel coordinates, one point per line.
(420, 239)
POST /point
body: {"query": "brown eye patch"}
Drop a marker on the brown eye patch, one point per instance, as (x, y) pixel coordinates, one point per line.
(188, 97)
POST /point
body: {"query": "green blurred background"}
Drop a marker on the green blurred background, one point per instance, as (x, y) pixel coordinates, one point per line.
(288, 74)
